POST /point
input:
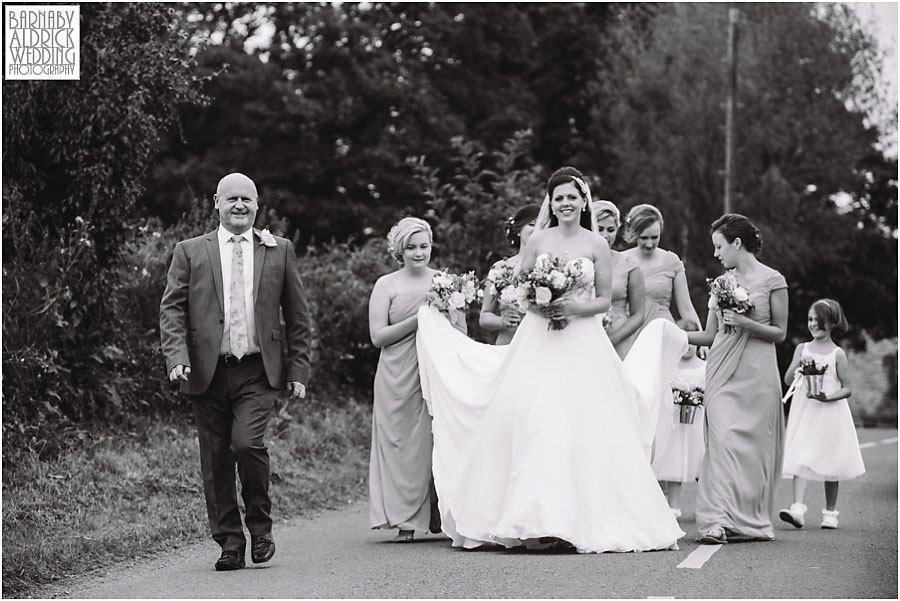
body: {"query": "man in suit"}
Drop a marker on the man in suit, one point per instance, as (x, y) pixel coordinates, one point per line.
(222, 340)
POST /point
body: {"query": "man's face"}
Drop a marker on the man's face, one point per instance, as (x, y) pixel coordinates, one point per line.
(236, 201)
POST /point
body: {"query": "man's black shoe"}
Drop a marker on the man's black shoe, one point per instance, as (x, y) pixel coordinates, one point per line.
(262, 548)
(230, 560)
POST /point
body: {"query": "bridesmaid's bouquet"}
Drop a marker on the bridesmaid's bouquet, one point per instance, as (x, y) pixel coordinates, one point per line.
(452, 292)
(549, 280)
(501, 281)
(726, 293)
(687, 390)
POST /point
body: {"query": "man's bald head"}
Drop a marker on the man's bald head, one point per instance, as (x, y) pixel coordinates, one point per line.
(236, 181)
(236, 202)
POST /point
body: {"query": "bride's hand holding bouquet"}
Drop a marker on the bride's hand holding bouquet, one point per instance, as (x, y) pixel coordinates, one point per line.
(546, 287)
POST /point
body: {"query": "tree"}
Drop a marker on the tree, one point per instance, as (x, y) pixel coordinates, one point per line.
(74, 157)
(805, 79)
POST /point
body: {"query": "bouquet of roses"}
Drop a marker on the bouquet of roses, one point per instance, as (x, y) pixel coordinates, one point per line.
(688, 388)
(501, 282)
(452, 292)
(549, 280)
(726, 293)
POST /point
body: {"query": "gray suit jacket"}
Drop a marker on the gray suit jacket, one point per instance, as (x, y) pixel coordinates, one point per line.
(192, 311)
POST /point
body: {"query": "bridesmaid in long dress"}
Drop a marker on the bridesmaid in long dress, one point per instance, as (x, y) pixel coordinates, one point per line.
(744, 419)
(663, 271)
(627, 307)
(400, 488)
(503, 319)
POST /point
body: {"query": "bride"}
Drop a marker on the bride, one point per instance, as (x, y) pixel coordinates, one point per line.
(544, 442)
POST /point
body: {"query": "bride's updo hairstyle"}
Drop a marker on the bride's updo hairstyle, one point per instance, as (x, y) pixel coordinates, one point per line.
(399, 236)
(639, 218)
(570, 175)
(733, 226)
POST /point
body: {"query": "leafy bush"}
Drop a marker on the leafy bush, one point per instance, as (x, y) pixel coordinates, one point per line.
(339, 281)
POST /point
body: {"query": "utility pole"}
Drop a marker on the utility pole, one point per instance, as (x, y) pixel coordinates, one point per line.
(733, 15)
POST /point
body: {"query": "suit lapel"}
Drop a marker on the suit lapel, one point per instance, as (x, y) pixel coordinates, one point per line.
(259, 257)
(215, 261)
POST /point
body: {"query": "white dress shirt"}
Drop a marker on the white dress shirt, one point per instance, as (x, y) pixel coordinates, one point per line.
(225, 250)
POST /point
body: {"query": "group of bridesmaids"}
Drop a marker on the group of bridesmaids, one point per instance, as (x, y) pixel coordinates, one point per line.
(744, 419)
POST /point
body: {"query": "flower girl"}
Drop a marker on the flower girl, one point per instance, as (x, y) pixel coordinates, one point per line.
(820, 440)
(679, 445)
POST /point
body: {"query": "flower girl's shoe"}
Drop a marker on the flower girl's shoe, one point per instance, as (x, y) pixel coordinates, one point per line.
(794, 515)
(829, 519)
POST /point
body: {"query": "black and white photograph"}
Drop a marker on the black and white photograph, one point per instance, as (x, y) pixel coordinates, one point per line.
(554, 300)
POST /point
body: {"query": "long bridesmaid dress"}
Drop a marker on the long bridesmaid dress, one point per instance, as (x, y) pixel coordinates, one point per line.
(744, 426)
(400, 460)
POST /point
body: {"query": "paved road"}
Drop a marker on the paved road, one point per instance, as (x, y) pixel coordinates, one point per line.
(335, 555)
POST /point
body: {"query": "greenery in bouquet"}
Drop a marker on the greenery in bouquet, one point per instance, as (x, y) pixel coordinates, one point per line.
(452, 292)
(726, 294)
(550, 279)
(808, 367)
(688, 389)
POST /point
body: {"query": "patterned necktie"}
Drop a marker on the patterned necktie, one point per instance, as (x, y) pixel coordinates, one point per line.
(237, 318)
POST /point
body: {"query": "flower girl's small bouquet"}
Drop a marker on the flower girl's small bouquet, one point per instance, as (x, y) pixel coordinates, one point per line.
(687, 390)
(549, 280)
(501, 282)
(813, 373)
(726, 293)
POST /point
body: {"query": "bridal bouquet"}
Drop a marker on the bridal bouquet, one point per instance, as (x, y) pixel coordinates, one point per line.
(687, 390)
(501, 282)
(452, 292)
(549, 280)
(726, 293)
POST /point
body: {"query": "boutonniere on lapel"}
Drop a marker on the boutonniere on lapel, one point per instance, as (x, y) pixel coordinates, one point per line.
(266, 238)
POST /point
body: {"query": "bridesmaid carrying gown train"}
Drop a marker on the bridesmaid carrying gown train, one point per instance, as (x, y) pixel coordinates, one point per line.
(400, 485)
(744, 418)
(663, 271)
(627, 311)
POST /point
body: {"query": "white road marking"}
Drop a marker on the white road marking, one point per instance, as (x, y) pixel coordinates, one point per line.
(889, 440)
(699, 556)
(868, 445)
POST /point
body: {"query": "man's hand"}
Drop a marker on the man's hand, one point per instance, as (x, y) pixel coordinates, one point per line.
(298, 390)
(179, 372)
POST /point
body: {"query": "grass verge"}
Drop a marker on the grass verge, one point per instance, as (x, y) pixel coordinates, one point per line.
(125, 495)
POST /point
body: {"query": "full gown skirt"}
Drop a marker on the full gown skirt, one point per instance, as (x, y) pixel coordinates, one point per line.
(549, 436)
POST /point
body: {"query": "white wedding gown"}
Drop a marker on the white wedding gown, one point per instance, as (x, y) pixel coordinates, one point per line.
(549, 436)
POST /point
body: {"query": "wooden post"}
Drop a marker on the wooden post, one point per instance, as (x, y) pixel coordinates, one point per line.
(733, 14)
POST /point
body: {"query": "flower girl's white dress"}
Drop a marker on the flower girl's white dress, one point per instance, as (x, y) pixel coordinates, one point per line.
(820, 441)
(549, 436)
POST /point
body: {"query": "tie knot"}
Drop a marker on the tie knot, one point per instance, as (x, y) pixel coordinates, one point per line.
(237, 239)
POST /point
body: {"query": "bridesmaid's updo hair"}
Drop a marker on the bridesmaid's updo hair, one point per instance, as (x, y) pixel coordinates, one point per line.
(514, 224)
(604, 209)
(569, 175)
(399, 236)
(733, 226)
(830, 315)
(640, 217)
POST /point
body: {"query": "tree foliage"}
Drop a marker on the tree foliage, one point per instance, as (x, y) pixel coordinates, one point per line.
(74, 156)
